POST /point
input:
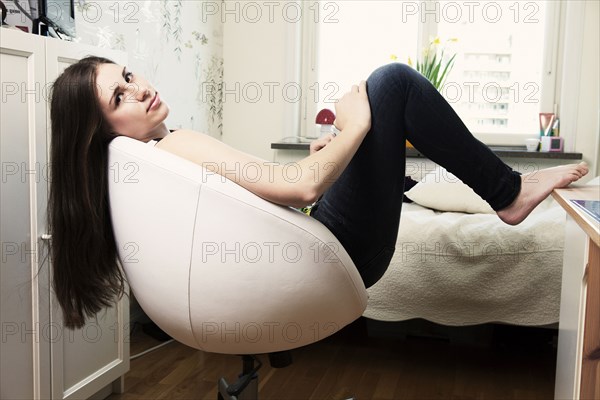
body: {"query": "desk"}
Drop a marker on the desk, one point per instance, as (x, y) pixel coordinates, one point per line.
(578, 375)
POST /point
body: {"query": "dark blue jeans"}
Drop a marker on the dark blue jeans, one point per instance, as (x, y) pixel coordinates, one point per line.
(362, 208)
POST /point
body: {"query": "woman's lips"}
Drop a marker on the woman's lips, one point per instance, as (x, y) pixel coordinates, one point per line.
(155, 102)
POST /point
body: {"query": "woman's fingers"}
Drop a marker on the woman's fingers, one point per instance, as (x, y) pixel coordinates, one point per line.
(362, 87)
(353, 108)
(318, 144)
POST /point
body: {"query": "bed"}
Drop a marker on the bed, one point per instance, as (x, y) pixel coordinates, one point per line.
(457, 268)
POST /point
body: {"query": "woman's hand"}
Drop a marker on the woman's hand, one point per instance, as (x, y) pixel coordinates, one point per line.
(352, 110)
(321, 142)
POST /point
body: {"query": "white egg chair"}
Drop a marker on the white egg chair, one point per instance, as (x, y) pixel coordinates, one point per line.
(220, 269)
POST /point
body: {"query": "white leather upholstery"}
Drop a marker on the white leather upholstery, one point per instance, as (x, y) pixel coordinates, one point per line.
(217, 267)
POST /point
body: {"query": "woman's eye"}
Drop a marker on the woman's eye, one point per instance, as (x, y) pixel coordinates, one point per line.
(128, 77)
(118, 99)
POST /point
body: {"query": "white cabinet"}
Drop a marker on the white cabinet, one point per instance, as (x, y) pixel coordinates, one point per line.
(39, 358)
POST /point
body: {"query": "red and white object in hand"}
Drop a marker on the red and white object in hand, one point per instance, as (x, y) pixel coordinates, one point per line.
(324, 122)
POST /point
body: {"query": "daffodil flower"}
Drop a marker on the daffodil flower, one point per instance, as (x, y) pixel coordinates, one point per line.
(433, 64)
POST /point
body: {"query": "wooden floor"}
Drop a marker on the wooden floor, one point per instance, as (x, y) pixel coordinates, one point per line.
(514, 363)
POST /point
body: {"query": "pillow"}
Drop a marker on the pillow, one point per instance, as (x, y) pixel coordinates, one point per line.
(442, 191)
(409, 183)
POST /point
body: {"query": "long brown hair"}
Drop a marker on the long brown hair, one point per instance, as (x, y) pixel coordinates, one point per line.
(86, 275)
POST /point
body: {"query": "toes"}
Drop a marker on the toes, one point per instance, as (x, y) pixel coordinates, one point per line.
(583, 167)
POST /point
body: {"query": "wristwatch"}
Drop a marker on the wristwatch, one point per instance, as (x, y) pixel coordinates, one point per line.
(334, 131)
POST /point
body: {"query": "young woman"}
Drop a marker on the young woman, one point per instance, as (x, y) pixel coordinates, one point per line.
(357, 176)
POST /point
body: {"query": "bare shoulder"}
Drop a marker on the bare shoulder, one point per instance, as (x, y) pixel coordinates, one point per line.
(202, 148)
(182, 137)
(188, 144)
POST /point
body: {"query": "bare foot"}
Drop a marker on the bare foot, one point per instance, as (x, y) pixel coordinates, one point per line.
(536, 186)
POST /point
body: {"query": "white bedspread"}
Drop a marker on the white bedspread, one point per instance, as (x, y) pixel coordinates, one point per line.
(463, 269)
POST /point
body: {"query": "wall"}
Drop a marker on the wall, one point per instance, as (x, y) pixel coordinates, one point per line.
(578, 88)
(261, 76)
(173, 43)
(588, 116)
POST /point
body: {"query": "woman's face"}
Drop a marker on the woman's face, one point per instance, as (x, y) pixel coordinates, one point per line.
(130, 104)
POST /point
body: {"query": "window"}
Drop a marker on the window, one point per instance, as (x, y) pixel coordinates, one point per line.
(503, 74)
(350, 40)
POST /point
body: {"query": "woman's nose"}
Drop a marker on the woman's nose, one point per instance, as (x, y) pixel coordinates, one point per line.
(139, 92)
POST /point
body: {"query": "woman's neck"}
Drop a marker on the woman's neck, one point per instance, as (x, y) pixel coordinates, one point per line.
(159, 132)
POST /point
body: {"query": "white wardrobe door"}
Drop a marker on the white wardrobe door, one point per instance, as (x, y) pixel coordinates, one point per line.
(25, 359)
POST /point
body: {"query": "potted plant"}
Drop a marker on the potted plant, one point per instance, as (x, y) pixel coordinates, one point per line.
(433, 64)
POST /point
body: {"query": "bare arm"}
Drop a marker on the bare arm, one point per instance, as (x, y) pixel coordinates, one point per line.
(292, 185)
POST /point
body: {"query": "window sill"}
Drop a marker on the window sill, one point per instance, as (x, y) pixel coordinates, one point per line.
(501, 151)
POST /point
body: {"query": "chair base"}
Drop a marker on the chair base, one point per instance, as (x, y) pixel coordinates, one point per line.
(250, 392)
(246, 387)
